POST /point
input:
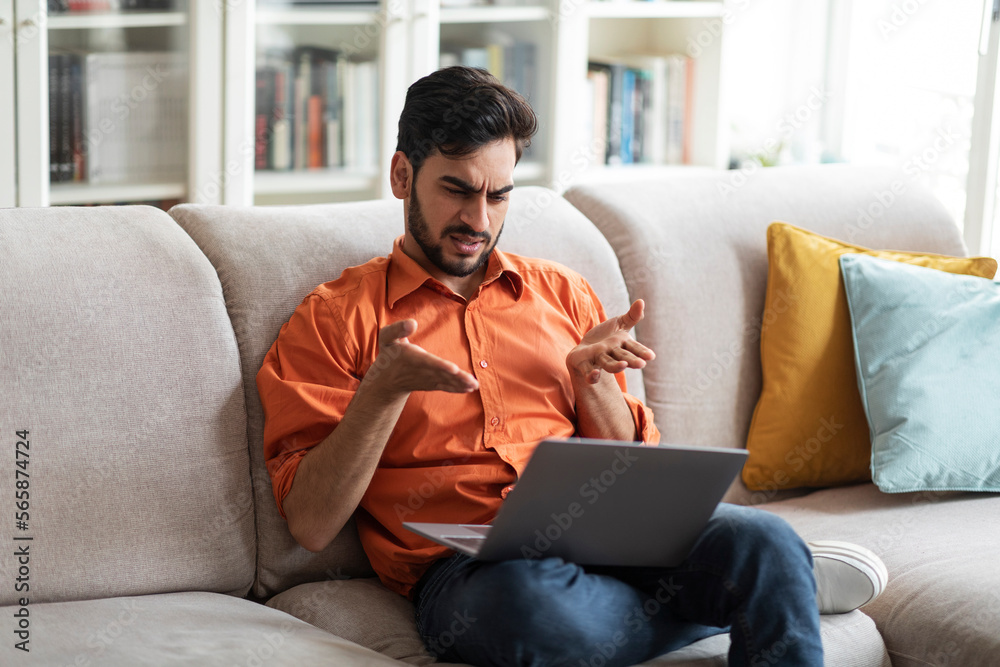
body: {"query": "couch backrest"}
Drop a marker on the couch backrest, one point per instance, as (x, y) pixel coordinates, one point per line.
(693, 245)
(118, 358)
(269, 259)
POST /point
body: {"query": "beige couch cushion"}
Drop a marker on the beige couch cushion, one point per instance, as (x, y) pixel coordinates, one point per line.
(365, 612)
(269, 259)
(848, 639)
(117, 354)
(360, 610)
(203, 629)
(697, 252)
(942, 604)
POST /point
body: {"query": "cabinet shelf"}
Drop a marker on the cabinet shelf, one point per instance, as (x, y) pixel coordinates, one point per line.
(493, 14)
(344, 180)
(541, 47)
(667, 9)
(117, 20)
(343, 15)
(103, 83)
(319, 180)
(66, 194)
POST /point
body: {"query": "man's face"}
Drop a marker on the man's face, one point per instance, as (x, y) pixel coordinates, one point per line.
(456, 212)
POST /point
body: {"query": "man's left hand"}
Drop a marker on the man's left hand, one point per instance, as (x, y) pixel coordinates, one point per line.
(609, 348)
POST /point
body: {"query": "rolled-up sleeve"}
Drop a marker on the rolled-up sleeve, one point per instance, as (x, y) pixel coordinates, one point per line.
(645, 429)
(305, 385)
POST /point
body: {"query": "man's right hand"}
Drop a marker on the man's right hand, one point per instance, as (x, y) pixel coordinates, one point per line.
(403, 367)
(333, 476)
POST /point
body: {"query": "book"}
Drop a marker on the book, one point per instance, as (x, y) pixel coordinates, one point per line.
(279, 150)
(77, 152)
(55, 63)
(643, 106)
(599, 79)
(303, 83)
(475, 57)
(86, 6)
(361, 115)
(625, 148)
(135, 116)
(640, 106)
(280, 3)
(652, 71)
(65, 118)
(273, 109)
(117, 117)
(616, 92)
(299, 108)
(676, 109)
(265, 82)
(315, 141)
(332, 111)
(513, 62)
(689, 67)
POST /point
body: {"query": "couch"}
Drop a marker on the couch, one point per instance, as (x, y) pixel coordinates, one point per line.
(128, 350)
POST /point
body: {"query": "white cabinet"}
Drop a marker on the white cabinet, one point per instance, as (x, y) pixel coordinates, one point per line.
(8, 135)
(309, 90)
(411, 38)
(626, 32)
(330, 138)
(114, 101)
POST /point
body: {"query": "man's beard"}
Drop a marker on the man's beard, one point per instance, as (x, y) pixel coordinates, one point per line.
(416, 224)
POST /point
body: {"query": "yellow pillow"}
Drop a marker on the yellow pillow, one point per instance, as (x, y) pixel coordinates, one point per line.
(809, 428)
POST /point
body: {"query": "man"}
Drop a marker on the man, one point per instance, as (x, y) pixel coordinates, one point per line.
(438, 369)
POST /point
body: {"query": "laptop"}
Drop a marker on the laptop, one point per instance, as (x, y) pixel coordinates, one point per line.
(601, 502)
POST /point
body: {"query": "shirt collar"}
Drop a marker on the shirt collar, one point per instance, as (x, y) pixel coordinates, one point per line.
(405, 276)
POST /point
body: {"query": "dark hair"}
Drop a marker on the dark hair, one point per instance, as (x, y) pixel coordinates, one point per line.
(457, 110)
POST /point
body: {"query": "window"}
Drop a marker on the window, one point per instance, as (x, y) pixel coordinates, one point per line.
(900, 83)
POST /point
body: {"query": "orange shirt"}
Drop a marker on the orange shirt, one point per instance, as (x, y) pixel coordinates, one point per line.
(452, 457)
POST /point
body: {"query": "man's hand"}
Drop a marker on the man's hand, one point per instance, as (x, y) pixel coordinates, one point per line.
(333, 476)
(402, 367)
(608, 348)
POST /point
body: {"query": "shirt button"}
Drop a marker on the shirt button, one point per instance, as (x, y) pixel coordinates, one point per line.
(494, 421)
(483, 363)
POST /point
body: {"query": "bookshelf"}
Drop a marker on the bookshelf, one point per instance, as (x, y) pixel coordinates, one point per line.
(411, 38)
(8, 133)
(392, 43)
(351, 47)
(621, 31)
(96, 78)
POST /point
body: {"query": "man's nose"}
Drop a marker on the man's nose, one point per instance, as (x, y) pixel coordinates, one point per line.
(475, 213)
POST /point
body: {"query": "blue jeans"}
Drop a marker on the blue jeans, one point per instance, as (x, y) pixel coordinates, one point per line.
(749, 574)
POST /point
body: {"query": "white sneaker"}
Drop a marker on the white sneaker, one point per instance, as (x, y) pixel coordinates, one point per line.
(847, 576)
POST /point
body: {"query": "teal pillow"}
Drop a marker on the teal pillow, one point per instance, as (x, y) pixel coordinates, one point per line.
(927, 352)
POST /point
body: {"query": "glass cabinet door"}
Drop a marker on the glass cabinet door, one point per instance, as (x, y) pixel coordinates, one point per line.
(514, 42)
(8, 137)
(109, 106)
(317, 113)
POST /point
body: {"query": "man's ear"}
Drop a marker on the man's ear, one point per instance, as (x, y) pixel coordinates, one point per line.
(400, 175)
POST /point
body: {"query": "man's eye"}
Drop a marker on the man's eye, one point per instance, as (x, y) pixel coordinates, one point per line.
(455, 192)
(498, 198)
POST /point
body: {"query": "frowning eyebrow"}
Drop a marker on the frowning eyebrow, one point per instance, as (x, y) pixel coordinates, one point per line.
(468, 187)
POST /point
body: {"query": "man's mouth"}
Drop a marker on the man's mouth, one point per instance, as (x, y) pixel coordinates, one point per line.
(468, 245)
